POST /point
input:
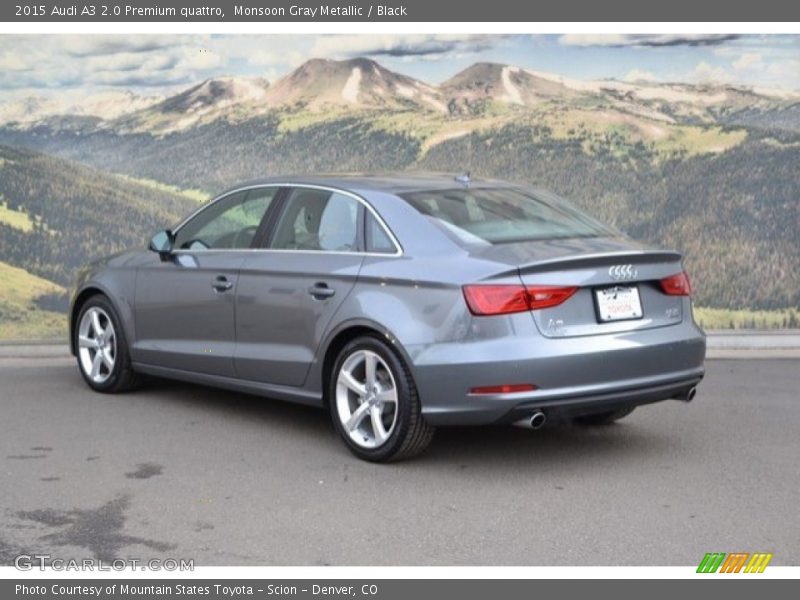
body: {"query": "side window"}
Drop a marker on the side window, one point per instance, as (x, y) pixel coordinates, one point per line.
(318, 220)
(231, 222)
(377, 239)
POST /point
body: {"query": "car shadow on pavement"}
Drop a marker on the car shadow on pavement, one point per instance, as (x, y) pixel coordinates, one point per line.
(452, 447)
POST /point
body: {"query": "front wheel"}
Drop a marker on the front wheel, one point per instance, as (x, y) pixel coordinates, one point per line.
(374, 403)
(102, 349)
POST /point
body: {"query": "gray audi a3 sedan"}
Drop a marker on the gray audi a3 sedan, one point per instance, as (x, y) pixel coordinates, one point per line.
(399, 304)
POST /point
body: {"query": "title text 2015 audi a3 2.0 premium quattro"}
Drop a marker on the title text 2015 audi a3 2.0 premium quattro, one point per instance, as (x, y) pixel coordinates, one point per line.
(399, 304)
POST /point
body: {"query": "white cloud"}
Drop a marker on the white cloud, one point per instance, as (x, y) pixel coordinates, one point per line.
(787, 71)
(100, 45)
(645, 40)
(592, 39)
(12, 62)
(401, 45)
(56, 64)
(704, 72)
(271, 58)
(127, 61)
(63, 62)
(749, 60)
(640, 75)
(200, 58)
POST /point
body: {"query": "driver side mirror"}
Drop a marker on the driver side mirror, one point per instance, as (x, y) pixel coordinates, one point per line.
(163, 243)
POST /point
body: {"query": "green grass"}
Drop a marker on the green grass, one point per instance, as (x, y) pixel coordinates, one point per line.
(694, 140)
(15, 218)
(603, 126)
(722, 318)
(197, 195)
(30, 324)
(20, 318)
(291, 120)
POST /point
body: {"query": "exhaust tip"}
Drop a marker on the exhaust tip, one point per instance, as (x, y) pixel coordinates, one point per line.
(688, 395)
(535, 421)
(538, 420)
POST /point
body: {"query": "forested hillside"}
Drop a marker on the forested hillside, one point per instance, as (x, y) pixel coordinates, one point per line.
(220, 154)
(734, 213)
(56, 215)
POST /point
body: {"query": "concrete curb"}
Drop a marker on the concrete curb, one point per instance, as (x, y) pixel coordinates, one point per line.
(34, 350)
(754, 339)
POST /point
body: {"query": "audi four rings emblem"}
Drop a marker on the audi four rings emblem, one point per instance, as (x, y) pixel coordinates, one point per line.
(623, 272)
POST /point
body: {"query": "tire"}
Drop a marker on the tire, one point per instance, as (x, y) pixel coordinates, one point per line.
(604, 418)
(383, 430)
(115, 373)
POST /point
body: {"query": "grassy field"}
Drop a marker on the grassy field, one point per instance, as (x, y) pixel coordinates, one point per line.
(15, 218)
(20, 318)
(720, 318)
(198, 196)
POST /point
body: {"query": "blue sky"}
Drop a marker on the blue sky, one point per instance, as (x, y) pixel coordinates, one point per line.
(65, 64)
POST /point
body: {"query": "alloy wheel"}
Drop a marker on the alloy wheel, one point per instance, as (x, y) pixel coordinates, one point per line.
(366, 399)
(97, 345)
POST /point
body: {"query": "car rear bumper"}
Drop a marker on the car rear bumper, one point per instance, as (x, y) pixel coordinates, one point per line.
(573, 376)
(566, 407)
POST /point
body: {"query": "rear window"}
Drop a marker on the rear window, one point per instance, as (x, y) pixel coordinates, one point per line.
(501, 216)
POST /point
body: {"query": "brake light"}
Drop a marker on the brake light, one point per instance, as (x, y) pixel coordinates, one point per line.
(484, 300)
(503, 389)
(546, 296)
(676, 285)
(496, 299)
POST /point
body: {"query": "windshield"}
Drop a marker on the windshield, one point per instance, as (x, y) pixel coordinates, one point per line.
(498, 216)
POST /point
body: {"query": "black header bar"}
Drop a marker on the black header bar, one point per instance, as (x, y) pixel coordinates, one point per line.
(43, 11)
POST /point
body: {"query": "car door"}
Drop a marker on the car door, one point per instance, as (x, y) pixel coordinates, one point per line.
(184, 305)
(288, 292)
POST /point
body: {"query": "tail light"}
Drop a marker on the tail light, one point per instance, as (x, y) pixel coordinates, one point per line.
(496, 299)
(546, 296)
(484, 300)
(676, 285)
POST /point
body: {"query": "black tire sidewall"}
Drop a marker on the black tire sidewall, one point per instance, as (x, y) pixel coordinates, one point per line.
(405, 401)
(121, 356)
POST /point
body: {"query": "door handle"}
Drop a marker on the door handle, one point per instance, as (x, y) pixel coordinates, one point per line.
(221, 284)
(320, 290)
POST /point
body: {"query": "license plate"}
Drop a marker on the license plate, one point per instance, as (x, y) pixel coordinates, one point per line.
(618, 303)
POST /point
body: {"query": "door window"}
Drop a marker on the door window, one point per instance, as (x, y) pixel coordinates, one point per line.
(318, 220)
(229, 223)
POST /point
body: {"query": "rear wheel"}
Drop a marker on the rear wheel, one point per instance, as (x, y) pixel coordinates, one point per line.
(102, 349)
(374, 403)
(604, 418)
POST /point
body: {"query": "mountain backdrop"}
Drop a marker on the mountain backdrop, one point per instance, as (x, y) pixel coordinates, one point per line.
(711, 170)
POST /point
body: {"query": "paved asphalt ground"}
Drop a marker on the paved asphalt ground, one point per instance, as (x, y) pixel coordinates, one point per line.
(182, 471)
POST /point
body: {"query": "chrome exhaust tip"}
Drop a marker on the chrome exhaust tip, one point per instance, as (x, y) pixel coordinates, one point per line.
(535, 421)
(538, 420)
(688, 395)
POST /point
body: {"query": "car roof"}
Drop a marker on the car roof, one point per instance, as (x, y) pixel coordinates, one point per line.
(392, 183)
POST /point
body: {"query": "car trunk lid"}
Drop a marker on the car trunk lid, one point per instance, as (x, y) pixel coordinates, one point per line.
(617, 284)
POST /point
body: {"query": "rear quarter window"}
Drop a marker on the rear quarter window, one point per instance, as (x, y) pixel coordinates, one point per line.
(378, 240)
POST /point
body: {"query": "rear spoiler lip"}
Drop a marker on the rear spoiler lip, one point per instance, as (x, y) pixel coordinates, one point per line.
(634, 257)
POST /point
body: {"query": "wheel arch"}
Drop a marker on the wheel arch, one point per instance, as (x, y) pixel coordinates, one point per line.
(81, 297)
(343, 335)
